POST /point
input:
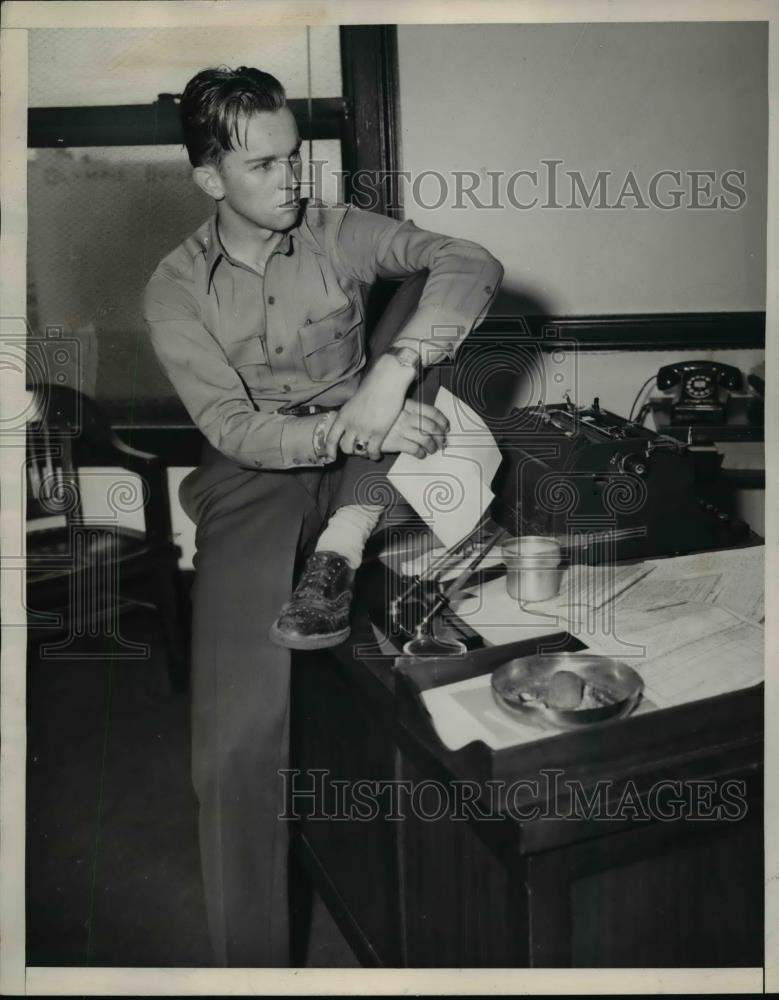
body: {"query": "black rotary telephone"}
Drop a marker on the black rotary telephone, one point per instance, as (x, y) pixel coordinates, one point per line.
(702, 389)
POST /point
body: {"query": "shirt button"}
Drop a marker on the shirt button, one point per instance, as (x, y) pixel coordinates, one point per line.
(308, 322)
(279, 350)
(271, 300)
(338, 335)
(258, 464)
(287, 388)
(488, 290)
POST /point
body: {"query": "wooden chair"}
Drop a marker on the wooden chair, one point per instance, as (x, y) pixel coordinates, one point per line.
(83, 570)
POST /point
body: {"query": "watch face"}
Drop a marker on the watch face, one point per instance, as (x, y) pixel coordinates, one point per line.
(406, 356)
(700, 387)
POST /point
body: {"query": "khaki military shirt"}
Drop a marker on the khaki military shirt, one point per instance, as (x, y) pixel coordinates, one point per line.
(238, 345)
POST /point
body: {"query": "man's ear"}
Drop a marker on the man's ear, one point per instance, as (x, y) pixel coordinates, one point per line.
(209, 180)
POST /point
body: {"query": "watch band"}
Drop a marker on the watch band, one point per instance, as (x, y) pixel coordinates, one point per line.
(408, 357)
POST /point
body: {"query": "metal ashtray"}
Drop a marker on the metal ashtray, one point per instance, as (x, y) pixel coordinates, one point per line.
(610, 689)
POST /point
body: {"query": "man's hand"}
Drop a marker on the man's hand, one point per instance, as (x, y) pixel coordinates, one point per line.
(372, 410)
(419, 430)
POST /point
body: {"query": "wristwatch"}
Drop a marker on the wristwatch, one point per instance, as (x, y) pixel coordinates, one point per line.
(408, 357)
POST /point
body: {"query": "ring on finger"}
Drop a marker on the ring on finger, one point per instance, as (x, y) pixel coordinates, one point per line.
(360, 446)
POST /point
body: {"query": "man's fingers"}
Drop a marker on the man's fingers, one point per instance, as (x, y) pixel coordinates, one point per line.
(347, 442)
(333, 438)
(412, 448)
(431, 428)
(374, 448)
(426, 441)
(434, 414)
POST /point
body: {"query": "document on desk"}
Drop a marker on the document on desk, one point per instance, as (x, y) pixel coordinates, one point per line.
(593, 586)
(684, 653)
(466, 711)
(499, 619)
(728, 578)
(450, 489)
(725, 661)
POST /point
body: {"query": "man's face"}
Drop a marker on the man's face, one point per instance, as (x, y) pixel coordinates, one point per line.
(260, 179)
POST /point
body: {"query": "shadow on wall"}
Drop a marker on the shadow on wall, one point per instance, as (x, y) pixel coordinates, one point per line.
(493, 368)
(498, 369)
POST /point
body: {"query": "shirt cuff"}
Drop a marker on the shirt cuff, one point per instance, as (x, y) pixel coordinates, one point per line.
(297, 442)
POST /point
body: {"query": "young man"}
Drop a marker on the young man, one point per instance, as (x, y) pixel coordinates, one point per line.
(258, 320)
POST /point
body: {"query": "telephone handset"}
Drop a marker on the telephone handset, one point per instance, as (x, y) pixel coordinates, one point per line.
(702, 389)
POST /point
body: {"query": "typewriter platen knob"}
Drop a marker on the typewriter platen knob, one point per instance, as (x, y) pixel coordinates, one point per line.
(636, 464)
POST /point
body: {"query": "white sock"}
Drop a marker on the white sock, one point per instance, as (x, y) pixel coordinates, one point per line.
(348, 530)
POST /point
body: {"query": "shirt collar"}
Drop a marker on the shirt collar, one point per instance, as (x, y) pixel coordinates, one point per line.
(214, 251)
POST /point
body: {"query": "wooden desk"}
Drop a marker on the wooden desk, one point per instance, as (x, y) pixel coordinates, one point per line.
(513, 891)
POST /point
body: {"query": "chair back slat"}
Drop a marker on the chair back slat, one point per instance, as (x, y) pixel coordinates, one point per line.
(71, 431)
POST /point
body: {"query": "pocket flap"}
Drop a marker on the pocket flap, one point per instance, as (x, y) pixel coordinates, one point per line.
(333, 327)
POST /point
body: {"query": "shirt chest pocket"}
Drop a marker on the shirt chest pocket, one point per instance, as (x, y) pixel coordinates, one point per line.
(249, 358)
(333, 346)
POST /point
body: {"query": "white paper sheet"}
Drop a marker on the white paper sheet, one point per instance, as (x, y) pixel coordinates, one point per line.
(498, 618)
(450, 489)
(684, 652)
(741, 572)
(467, 711)
(725, 661)
(592, 586)
(651, 593)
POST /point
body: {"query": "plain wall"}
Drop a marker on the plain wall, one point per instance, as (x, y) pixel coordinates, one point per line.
(613, 97)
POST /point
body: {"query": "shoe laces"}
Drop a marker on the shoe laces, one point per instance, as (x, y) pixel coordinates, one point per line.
(319, 569)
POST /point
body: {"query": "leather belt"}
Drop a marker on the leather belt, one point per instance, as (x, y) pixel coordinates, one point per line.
(304, 409)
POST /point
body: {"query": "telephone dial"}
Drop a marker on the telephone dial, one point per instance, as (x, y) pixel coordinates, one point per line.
(701, 390)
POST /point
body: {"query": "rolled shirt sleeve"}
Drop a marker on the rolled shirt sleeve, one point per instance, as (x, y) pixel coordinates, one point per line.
(211, 389)
(462, 283)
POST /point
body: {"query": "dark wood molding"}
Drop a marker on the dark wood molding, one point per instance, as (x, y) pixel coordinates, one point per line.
(644, 332)
(156, 124)
(369, 66)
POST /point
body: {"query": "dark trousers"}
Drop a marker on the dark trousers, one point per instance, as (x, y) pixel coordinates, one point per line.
(253, 531)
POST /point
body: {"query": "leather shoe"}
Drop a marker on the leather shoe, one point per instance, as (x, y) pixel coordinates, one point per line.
(317, 614)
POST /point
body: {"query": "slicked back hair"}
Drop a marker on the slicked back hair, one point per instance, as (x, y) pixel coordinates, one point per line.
(215, 107)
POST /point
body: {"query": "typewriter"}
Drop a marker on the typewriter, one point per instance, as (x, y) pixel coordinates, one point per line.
(588, 474)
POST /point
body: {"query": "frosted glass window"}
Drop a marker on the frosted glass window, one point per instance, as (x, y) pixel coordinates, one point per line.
(100, 220)
(99, 66)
